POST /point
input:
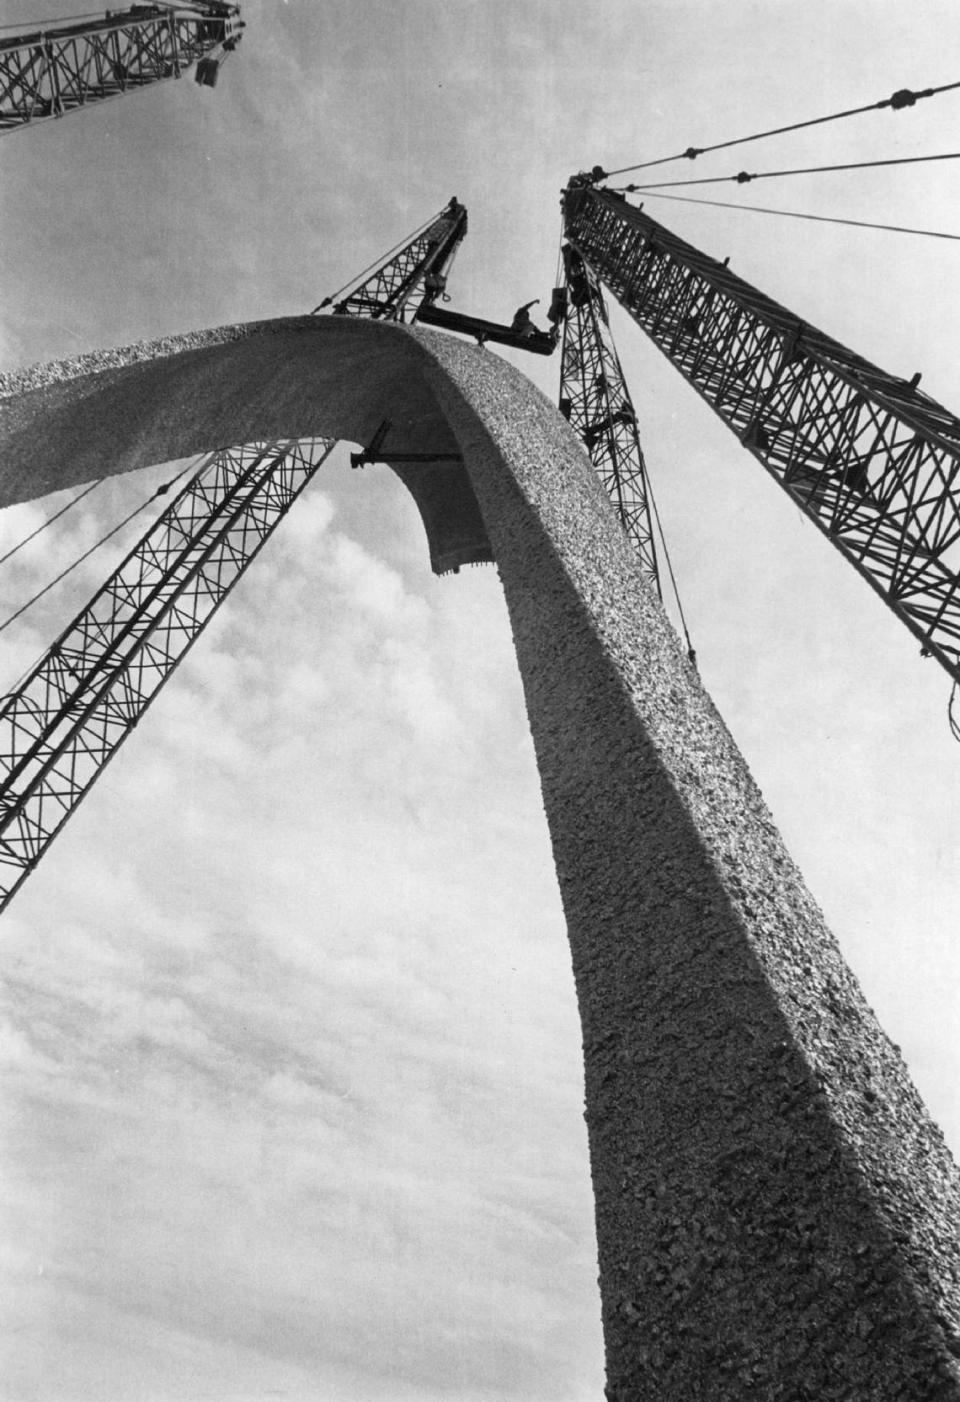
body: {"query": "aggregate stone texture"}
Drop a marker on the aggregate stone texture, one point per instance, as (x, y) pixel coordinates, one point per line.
(777, 1217)
(72, 421)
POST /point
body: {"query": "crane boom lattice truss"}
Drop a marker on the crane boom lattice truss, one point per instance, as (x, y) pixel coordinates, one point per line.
(419, 267)
(64, 67)
(67, 718)
(869, 458)
(595, 399)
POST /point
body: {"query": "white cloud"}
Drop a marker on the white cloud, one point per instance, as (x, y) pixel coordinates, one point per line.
(258, 1066)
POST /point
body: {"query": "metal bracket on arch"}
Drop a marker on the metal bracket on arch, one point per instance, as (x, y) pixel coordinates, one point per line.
(377, 453)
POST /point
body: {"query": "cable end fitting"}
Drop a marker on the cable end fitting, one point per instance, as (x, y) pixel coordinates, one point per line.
(903, 98)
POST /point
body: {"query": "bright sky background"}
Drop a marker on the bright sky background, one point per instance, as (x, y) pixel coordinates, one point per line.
(292, 1088)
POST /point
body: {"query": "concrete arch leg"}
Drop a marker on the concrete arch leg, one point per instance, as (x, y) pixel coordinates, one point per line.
(777, 1218)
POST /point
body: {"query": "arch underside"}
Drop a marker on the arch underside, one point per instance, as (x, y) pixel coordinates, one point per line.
(776, 1215)
(298, 377)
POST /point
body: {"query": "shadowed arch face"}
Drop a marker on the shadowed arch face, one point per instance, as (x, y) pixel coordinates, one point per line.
(770, 1193)
(299, 377)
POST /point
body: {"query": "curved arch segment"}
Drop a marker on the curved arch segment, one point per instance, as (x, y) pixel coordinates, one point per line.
(776, 1214)
(297, 377)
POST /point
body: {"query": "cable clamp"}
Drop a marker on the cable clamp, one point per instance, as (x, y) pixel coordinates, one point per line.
(903, 98)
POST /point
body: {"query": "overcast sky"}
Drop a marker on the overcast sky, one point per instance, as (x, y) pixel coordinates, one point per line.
(292, 1097)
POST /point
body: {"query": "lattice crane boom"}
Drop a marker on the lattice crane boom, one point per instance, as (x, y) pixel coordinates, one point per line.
(64, 721)
(596, 402)
(870, 459)
(57, 70)
(409, 278)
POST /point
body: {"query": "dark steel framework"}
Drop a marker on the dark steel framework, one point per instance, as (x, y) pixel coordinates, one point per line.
(57, 70)
(869, 458)
(68, 717)
(420, 267)
(595, 399)
(531, 340)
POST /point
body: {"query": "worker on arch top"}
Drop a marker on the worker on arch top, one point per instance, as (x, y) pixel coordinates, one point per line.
(522, 325)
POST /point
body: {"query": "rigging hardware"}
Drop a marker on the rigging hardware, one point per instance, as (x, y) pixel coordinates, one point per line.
(744, 177)
(901, 99)
(796, 214)
(537, 342)
(377, 452)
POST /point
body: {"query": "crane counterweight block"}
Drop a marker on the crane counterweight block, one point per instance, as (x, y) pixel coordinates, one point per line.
(867, 456)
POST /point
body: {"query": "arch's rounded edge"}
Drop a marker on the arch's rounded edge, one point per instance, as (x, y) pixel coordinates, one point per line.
(743, 1130)
(112, 411)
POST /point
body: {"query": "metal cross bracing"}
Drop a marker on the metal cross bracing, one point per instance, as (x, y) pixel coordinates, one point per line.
(67, 717)
(870, 459)
(64, 67)
(595, 399)
(421, 265)
(71, 712)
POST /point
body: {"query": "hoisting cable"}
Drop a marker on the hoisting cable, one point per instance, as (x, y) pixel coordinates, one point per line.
(50, 520)
(691, 654)
(377, 262)
(559, 269)
(160, 491)
(899, 100)
(951, 713)
(743, 177)
(794, 214)
(445, 297)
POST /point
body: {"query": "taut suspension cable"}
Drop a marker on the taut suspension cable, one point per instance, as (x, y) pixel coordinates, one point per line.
(899, 100)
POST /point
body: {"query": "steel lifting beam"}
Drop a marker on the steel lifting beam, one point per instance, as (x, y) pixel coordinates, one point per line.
(870, 459)
(595, 399)
(68, 717)
(483, 331)
(59, 69)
